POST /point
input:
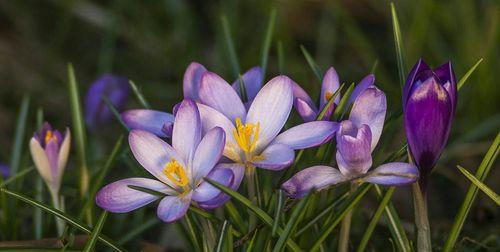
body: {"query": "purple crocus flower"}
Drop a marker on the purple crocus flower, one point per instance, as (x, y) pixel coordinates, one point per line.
(115, 88)
(429, 102)
(49, 150)
(356, 140)
(179, 169)
(4, 171)
(308, 110)
(252, 136)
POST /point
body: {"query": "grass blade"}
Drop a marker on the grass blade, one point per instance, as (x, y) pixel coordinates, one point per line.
(279, 212)
(464, 78)
(329, 103)
(18, 175)
(89, 246)
(231, 51)
(17, 148)
(61, 215)
(138, 95)
(192, 233)
(341, 109)
(297, 214)
(267, 42)
(115, 113)
(312, 64)
(235, 216)
(223, 232)
(139, 229)
(481, 174)
(398, 43)
(480, 185)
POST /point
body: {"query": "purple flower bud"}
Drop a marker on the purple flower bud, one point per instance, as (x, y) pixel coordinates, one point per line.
(4, 171)
(115, 88)
(429, 103)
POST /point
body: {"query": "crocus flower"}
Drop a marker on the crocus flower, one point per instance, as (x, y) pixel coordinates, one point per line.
(356, 140)
(429, 102)
(308, 110)
(179, 169)
(115, 88)
(4, 171)
(252, 136)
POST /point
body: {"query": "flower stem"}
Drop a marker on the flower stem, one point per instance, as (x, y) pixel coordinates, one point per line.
(59, 222)
(346, 227)
(250, 176)
(421, 219)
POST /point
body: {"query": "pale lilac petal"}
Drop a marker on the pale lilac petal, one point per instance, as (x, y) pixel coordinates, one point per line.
(419, 67)
(208, 153)
(168, 129)
(172, 208)
(153, 153)
(394, 174)
(308, 135)
(329, 86)
(148, 120)
(52, 152)
(362, 85)
(218, 94)
(238, 172)
(275, 157)
(299, 93)
(370, 108)
(118, 197)
(270, 109)
(41, 161)
(206, 191)
(63, 154)
(187, 130)
(192, 80)
(312, 178)
(253, 82)
(305, 111)
(353, 149)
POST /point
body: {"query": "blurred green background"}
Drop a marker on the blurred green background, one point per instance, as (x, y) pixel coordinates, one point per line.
(152, 42)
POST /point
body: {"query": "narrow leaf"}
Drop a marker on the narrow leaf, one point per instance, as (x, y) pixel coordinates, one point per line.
(480, 185)
(222, 234)
(17, 148)
(18, 175)
(329, 103)
(312, 64)
(267, 42)
(297, 214)
(464, 78)
(341, 109)
(138, 94)
(398, 43)
(233, 58)
(115, 112)
(278, 213)
(89, 246)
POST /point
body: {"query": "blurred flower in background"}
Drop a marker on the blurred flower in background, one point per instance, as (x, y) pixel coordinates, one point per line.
(4, 171)
(115, 88)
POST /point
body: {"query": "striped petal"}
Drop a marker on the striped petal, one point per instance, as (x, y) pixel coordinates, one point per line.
(208, 153)
(172, 208)
(329, 86)
(275, 157)
(353, 149)
(218, 94)
(312, 178)
(206, 191)
(393, 174)
(187, 130)
(360, 88)
(305, 111)
(192, 80)
(308, 135)
(238, 172)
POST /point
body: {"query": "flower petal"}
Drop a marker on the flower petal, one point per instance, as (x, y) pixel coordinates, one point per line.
(153, 153)
(275, 157)
(192, 80)
(208, 153)
(187, 130)
(308, 135)
(270, 109)
(253, 82)
(312, 178)
(206, 191)
(148, 120)
(305, 111)
(419, 67)
(329, 86)
(118, 197)
(446, 75)
(370, 108)
(362, 85)
(172, 208)
(394, 174)
(238, 172)
(299, 93)
(63, 153)
(41, 161)
(218, 94)
(353, 149)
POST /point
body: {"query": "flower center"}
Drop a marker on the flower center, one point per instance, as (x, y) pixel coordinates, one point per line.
(49, 136)
(175, 173)
(246, 135)
(328, 95)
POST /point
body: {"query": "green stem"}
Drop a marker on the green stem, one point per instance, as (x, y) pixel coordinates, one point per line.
(250, 177)
(346, 227)
(59, 222)
(421, 220)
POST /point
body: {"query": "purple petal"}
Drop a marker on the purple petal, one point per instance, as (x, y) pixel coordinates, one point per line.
(238, 172)
(275, 157)
(208, 153)
(253, 82)
(329, 87)
(63, 153)
(270, 109)
(118, 197)
(308, 135)
(168, 129)
(299, 93)
(206, 191)
(172, 208)
(153, 154)
(353, 149)
(148, 120)
(192, 80)
(305, 111)
(52, 152)
(216, 93)
(428, 117)
(312, 178)
(394, 174)
(4, 171)
(370, 108)
(187, 130)
(419, 67)
(362, 85)
(447, 78)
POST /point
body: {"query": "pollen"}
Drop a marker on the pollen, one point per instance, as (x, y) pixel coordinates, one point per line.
(328, 95)
(246, 135)
(175, 173)
(49, 136)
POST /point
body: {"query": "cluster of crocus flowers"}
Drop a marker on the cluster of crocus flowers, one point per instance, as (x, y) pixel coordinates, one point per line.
(429, 103)
(115, 88)
(356, 139)
(179, 169)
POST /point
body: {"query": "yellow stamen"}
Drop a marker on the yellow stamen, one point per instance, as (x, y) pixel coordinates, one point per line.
(49, 136)
(246, 135)
(175, 173)
(328, 95)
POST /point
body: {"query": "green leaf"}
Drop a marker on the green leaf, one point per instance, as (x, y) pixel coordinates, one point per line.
(235, 216)
(480, 185)
(223, 233)
(398, 43)
(89, 246)
(233, 58)
(17, 148)
(267, 42)
(192, 234)
(329, 103)
(18, 175)
(258, 212)
(346, 206)
(464, 78)
(61, 215)
(279, 211)
(139, 230)
(115, 112)
(481, 174)
(138, 94)
(312, 64)
(297, 214)
(341, 109)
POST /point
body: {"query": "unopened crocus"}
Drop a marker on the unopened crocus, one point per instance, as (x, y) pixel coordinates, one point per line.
(429, 102)
(307, 108)
(4, 171)
(356, 139)
(179, 169)
(115, 88)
